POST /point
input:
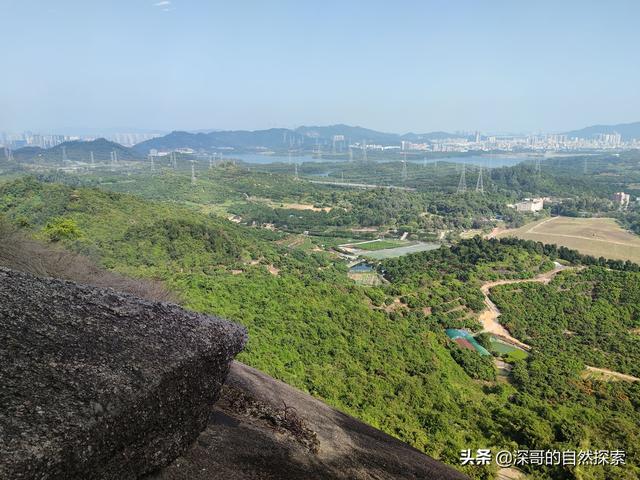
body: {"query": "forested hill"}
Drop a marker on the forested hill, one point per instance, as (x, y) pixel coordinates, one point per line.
(379, 353)
(628, 131)
(78, 151)
(306, 137)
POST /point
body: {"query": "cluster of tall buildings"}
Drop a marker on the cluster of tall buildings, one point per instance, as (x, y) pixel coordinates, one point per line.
(131, 139)
(30, 139)
(537, 143)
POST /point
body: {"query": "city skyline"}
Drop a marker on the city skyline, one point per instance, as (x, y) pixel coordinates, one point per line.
(411, 66)
(581, 140)
(93, 132)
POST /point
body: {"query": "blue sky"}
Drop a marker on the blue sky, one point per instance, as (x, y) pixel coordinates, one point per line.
(397, 66)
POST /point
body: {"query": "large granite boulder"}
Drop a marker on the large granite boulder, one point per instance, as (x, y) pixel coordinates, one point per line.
(263, 429)
(96, 384)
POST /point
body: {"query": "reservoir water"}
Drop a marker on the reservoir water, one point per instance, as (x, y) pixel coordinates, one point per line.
(487, 161)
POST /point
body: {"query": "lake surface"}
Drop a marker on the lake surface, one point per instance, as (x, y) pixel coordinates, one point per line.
(262, 159)
(487, 161)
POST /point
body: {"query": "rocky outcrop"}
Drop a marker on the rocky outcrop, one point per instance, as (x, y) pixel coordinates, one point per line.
(95, 384)
(263, 429)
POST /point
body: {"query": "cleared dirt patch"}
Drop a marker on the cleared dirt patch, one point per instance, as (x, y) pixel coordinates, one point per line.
(303, 206)
(600, 237)
(607, 375)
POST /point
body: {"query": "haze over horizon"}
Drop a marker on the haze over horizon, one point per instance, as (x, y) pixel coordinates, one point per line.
(411, 66)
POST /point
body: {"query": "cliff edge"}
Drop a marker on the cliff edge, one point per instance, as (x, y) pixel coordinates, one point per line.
(97, 384)
(264, 429)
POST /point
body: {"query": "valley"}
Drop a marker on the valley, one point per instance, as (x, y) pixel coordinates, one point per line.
(377, 301)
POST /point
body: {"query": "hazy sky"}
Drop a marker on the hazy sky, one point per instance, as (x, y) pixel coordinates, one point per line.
(390, 65)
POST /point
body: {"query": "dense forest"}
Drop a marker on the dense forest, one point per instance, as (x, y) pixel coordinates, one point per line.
(380, 353)
(277, 199)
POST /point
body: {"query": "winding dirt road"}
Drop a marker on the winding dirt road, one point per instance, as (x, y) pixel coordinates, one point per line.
(489, 317)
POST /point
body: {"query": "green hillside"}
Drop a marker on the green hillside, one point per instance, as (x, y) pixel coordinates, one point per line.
(77, 151)
(378, 353)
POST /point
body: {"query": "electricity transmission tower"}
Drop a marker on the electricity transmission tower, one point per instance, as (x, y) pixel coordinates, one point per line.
(152, 162)
(538, 166)
(296, 171)
(364, 150)
(193, 172)
(480, 184)
(462, 184)
(404, 168)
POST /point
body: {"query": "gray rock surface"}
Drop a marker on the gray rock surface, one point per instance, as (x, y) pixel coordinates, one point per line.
(263, 429)
(95, 384)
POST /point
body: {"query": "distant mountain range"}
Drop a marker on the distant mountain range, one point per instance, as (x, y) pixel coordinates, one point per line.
(79, 151)
(305, 138)
(280, 138)
(628, 131)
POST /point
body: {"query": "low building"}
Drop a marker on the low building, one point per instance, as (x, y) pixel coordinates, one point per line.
(622, 199)
(530, 205)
